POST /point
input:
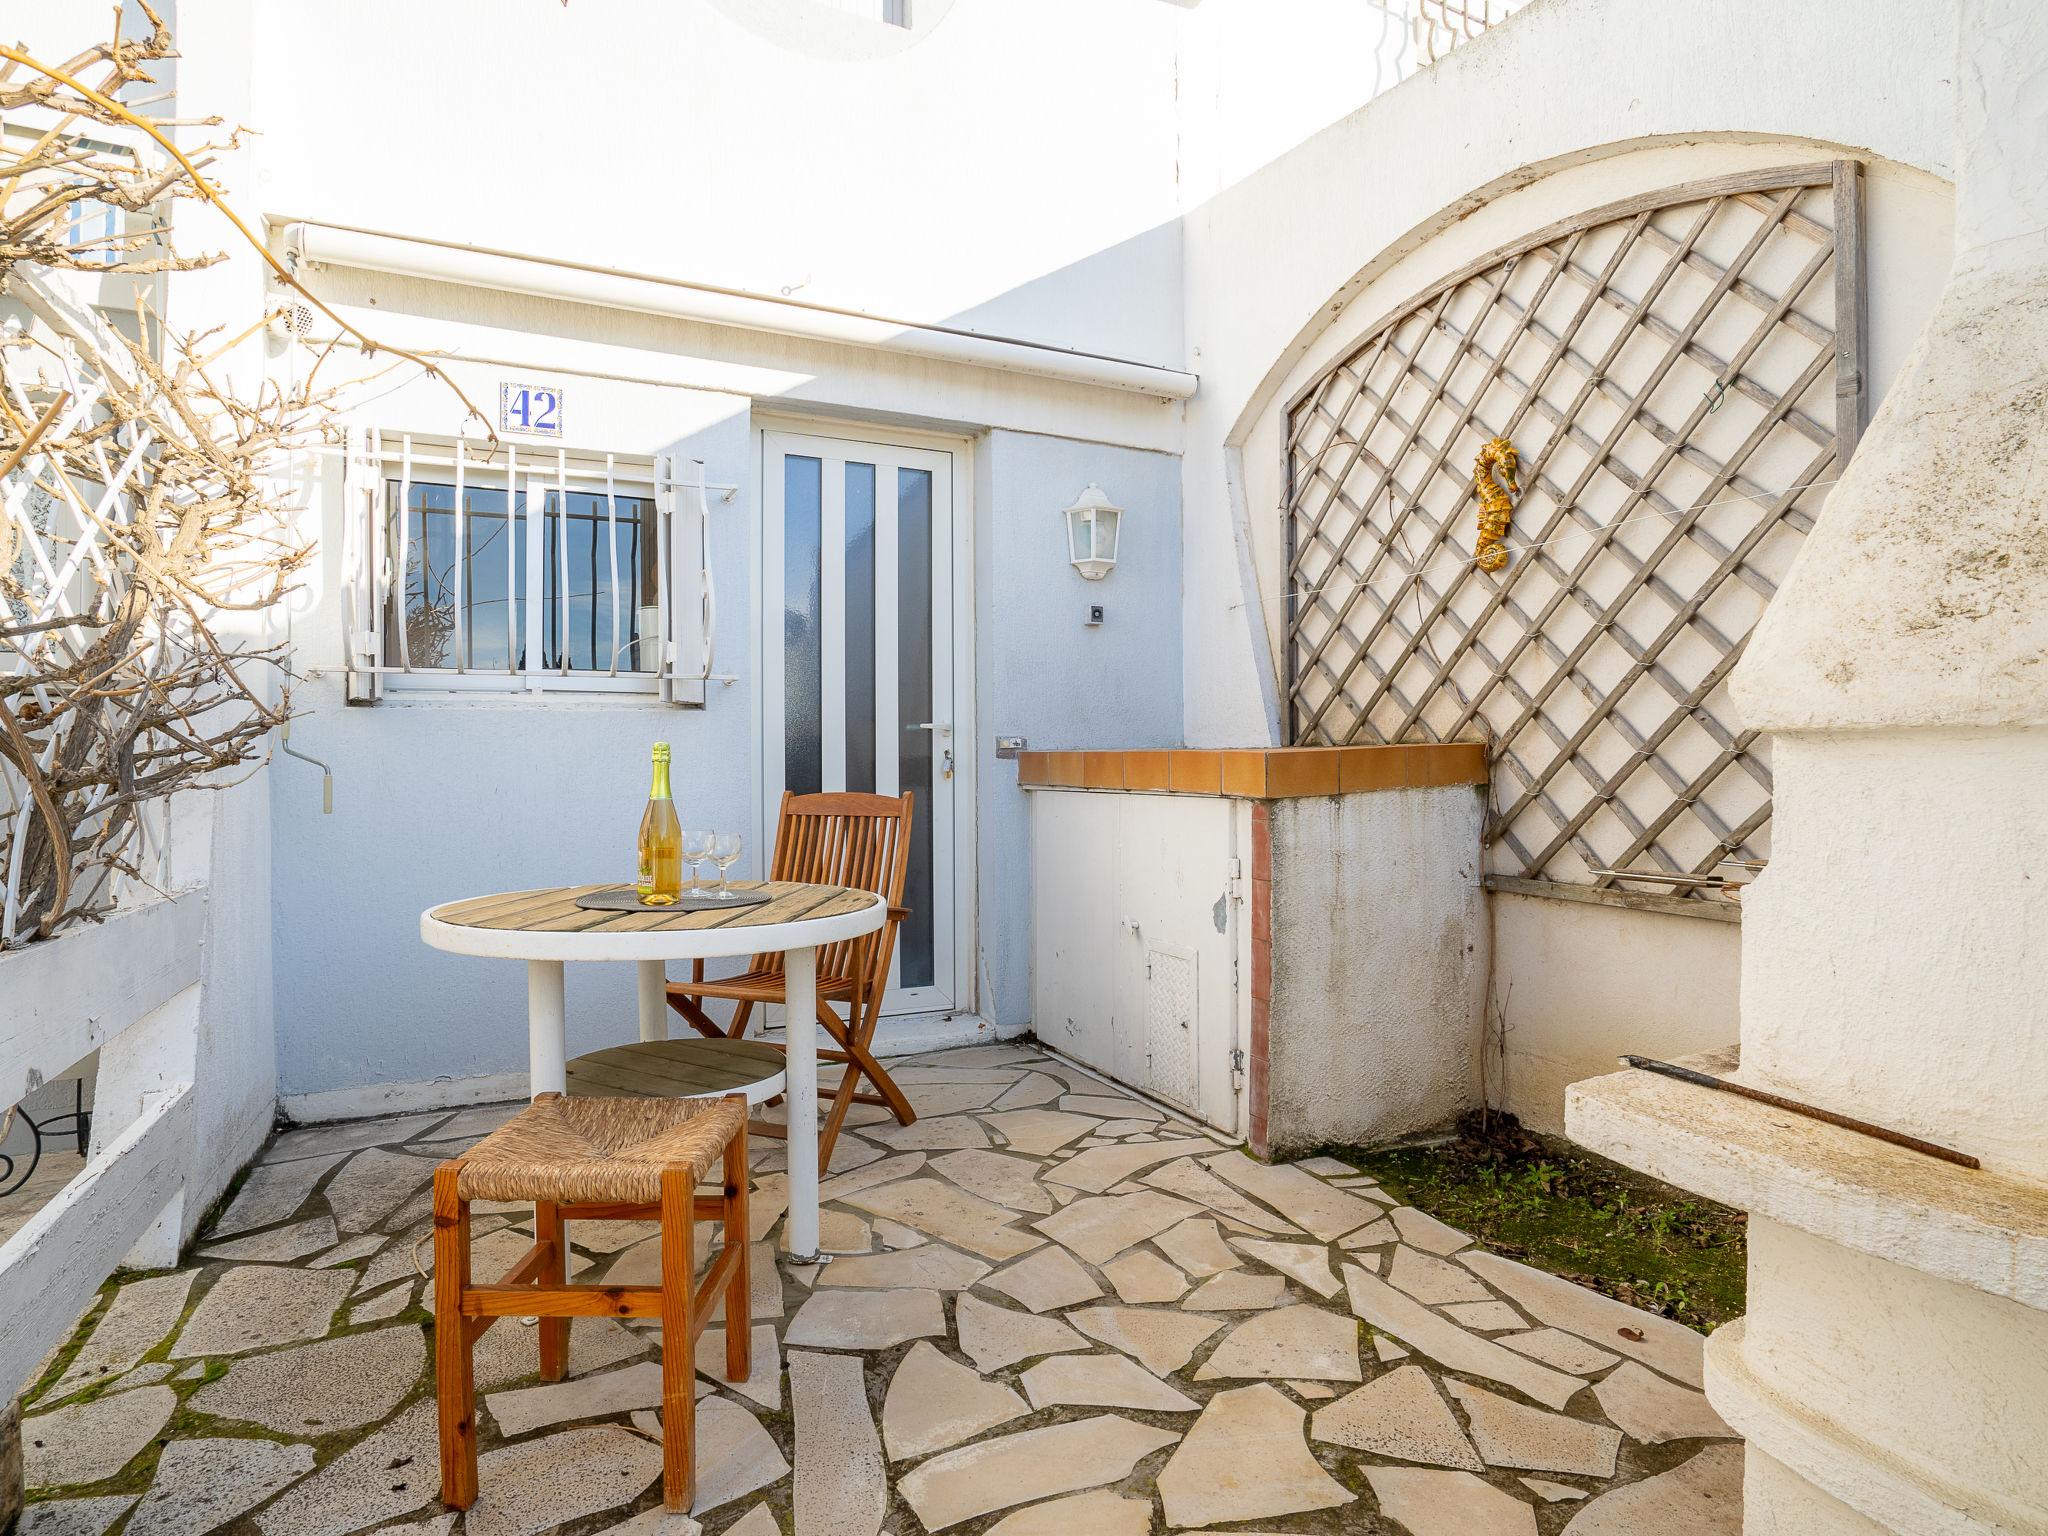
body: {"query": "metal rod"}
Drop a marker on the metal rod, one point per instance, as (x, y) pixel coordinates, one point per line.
(380, 551)
(708, 607)
(561, 605)
(664, 669)
(461, 560)
(405, 549)
(511, 560)
(1645, 874)
(1812, 1112)
(583, 465)
(326, 773)
(611, 516)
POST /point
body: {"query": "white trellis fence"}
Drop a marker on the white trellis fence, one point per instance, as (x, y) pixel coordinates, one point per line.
(1681, 376)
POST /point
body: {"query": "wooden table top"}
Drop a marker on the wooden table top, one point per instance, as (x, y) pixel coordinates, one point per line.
(554, 910)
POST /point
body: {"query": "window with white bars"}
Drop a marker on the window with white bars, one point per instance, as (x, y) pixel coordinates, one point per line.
(1680, 377)
(487, 567)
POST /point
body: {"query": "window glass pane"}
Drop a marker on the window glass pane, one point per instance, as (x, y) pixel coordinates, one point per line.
(425, 599)
(428, 592)
(914, 706)
(94, 224)
(803, 662)
(860, 628)
(582, 624)
(493, 618)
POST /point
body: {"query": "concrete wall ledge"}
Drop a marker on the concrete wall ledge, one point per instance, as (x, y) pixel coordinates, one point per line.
(1259, 773)
(1878, 1484)
(1977, 1227)
(68, 996)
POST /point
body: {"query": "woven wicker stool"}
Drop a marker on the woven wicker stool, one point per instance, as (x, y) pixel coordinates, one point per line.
(590, 1159)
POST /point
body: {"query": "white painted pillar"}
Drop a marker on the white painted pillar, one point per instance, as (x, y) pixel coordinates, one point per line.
(1892, 1373)
(546, 1028)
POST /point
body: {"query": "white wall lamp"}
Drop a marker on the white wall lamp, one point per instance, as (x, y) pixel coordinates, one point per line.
(1093, 523)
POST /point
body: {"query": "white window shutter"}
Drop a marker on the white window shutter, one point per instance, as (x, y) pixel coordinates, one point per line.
(365, 565)
(687, 597)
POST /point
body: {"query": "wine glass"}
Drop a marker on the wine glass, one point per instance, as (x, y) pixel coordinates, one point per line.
(696, 849)
(725, 852)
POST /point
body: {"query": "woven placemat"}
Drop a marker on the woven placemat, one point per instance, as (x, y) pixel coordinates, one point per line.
(623, 898)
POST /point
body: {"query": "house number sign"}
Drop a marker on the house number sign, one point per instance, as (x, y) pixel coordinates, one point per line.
(534, 408)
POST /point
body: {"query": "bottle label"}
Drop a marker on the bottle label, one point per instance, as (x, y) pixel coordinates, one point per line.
(644, 885)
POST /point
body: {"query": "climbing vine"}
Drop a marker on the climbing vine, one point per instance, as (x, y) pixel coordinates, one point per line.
(148, 534)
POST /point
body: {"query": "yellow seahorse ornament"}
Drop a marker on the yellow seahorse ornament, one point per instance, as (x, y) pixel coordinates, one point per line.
(1490, 554)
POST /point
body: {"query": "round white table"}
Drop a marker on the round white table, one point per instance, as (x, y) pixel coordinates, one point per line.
(546, 929)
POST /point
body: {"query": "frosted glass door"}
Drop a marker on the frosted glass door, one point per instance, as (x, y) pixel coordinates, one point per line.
(858, 686)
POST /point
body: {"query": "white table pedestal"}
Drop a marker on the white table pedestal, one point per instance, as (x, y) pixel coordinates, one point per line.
(546, 928)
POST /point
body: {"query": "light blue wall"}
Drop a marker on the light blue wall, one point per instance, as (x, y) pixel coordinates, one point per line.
(1041, 673)
(438, 799)
(435, 801)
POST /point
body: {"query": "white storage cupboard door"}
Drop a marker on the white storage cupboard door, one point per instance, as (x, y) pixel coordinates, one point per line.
(857, 693)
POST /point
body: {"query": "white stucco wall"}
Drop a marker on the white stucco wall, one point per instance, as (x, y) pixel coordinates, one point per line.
(1903, 672)
(1136, 925)
(1046, 676)
(1921, 1398)
(1389, 200)
(236, 1052)
(1776, 1501)
(1892, 967)
(1379, 965)
(1362, 194)
(1581, 984)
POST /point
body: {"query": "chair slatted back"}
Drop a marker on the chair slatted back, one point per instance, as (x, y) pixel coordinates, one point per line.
(859, 841)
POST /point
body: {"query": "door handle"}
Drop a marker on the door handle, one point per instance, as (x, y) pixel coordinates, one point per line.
(938, 727)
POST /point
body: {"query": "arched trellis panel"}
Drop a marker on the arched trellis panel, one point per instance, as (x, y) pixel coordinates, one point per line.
(1681, 376)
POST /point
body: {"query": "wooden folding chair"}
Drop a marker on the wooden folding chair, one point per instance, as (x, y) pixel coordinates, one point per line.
(862, 841)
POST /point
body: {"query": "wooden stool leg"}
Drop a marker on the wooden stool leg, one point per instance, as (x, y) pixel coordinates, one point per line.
(554, 1331)
(678, 1341)
(454, 1364)
(739, 1330)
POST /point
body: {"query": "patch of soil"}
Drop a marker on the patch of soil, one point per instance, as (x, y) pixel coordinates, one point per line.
(1557, 1207)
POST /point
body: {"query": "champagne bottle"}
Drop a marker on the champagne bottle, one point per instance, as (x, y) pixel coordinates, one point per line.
(661, 840)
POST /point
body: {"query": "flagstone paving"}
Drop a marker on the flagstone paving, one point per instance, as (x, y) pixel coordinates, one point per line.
(1053, 1310)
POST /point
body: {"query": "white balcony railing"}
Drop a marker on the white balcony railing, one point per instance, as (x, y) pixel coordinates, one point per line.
(128, 989)
(1438, 26)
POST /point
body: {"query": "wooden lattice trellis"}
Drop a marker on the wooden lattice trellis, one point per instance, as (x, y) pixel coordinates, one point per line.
(1681, 375)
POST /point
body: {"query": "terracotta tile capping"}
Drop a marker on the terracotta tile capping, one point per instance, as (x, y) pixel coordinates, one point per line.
(1259, 773)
